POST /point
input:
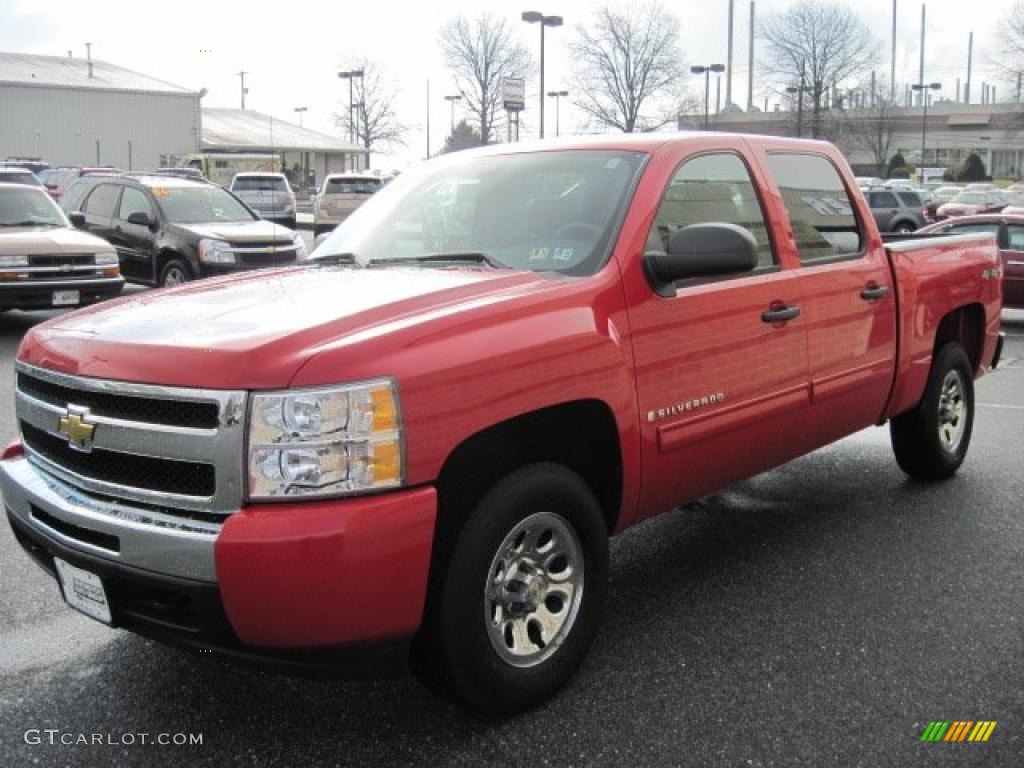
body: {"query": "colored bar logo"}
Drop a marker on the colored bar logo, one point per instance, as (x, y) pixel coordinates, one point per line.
(958, 730)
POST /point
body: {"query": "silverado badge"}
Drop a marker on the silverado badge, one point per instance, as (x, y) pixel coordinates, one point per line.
(77, 428)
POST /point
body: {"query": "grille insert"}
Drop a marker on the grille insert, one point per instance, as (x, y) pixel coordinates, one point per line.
(176, 413)
(161, 475)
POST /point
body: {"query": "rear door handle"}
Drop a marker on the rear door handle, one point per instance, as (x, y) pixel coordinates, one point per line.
(872, 292)
(780, 315)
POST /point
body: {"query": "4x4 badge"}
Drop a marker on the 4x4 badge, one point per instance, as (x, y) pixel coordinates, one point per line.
(77, 428)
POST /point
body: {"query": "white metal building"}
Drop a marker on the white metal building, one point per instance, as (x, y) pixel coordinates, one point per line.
(70, 111)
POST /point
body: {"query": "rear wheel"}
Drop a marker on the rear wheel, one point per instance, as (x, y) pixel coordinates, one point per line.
(904, 228)
(521, 595)
(174, 273)
(931, 441)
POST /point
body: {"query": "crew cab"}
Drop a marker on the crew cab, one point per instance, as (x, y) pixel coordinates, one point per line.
(415, 447)
(44, 261)
(169, 230)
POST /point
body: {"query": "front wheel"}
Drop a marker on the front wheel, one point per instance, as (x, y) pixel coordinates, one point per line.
(522, 593)
(174, 273)
(931, 441)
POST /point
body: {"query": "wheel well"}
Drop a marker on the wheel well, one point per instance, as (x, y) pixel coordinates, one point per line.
(165, 256)
(582, 435)
(966, 326)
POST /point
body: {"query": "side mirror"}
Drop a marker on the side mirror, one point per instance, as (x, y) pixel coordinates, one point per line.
(320, 238)
(701, 250)
(141, 218)
(77, 219)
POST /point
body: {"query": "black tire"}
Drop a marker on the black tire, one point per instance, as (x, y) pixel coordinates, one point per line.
(457, 651)
(172, 270)
(904, 228)
(317, 231)
(921, 451)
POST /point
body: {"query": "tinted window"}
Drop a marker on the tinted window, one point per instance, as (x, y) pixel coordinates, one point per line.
(1016, 237)
(101, 201)
(351, 186)
(910, 199)
(883, 200)
(711, 188)
(258, 184)
(134, 201)
(819, 209)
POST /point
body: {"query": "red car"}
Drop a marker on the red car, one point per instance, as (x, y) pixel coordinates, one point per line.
(973, 201)
(1009, 231)
(416, 445)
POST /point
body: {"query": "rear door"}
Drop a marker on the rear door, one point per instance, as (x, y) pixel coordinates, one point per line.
(849, 297)
(1013, 267)
(135, 243)
(722, 387)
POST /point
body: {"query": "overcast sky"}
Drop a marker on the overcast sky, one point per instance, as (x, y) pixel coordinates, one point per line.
(292, 50)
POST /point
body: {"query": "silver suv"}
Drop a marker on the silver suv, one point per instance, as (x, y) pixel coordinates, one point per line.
(896, 209)
(269, 194)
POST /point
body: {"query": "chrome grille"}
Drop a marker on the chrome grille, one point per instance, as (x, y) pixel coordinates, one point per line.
(169, 447)
(65, 266)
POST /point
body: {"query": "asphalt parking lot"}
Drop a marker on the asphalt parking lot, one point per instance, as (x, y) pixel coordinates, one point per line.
(817, 615)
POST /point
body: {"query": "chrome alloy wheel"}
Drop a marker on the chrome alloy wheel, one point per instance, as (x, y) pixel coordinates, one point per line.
(952, 411)
(174, 276)
(534, 588)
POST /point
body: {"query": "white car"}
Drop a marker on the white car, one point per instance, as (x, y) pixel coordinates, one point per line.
(269, 194)
(341, 194)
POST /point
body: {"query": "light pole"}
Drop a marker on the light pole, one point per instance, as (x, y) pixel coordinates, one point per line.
(706, 71)
(557, 96)
(451, 102)
(245, 90)
(924, 88)
(800, 91)
(300, 111)
(532, 17)
(351, 75)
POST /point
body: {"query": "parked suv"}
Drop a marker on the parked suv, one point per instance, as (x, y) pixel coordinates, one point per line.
(269, 194)
(341, 194)
(896, 210)
(44, 262)
(168, 230)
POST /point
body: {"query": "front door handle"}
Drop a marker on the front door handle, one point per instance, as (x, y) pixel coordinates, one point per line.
(874, 291)
(779, 315)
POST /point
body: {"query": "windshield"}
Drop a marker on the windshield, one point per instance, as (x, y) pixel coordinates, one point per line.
(970, 198)
(29, 207)
(550, 211)
(351, 186)
(198, 205)
(259, 184)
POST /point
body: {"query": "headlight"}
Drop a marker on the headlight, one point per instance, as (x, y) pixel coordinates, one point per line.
(106, 257)
(300, 245)
(326, 441)
(13, 261)
(215, 252)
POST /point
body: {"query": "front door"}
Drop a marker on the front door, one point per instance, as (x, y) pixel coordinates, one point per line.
(722, 383)
(135, 242)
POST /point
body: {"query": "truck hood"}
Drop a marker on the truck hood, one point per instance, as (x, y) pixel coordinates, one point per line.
(241, 231)
(49, 240)
(254, 330)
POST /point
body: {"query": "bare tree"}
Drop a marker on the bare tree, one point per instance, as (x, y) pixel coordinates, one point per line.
(1009, 57)
(481, 53)
(628, 59)
(373, 120)
(819, 44)
(870, 129)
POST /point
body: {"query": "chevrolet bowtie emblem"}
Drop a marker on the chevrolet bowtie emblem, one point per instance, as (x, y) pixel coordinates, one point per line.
(78, 430)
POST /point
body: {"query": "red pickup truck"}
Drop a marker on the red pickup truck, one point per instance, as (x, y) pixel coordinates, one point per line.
(415, 446)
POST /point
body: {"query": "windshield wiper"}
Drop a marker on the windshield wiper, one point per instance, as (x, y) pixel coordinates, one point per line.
(472, 257)
(339, 258)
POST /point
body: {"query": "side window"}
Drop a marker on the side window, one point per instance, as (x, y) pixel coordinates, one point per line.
(819, 209)
(134, 201)
(101, 201)
(910, 199)
(883, 200)
(1016, 237)
(986, 228)
(712, 188)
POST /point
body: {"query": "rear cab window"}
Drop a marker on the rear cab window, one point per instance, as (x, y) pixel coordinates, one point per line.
(820, 211)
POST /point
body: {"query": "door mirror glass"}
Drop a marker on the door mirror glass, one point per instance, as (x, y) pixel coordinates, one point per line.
(77, 219)
(139, 217)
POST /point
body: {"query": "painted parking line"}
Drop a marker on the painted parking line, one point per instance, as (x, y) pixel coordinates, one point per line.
(1002, 405)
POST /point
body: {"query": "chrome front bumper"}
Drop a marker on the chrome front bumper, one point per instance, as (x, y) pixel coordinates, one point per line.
(117, 531)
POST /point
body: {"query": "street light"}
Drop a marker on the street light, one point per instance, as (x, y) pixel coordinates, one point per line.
(351, 75)
(924, 88)
(300, 111)
(706, 71)
(557, 96)
(451, 102)
(532, 17)
(800, 101)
